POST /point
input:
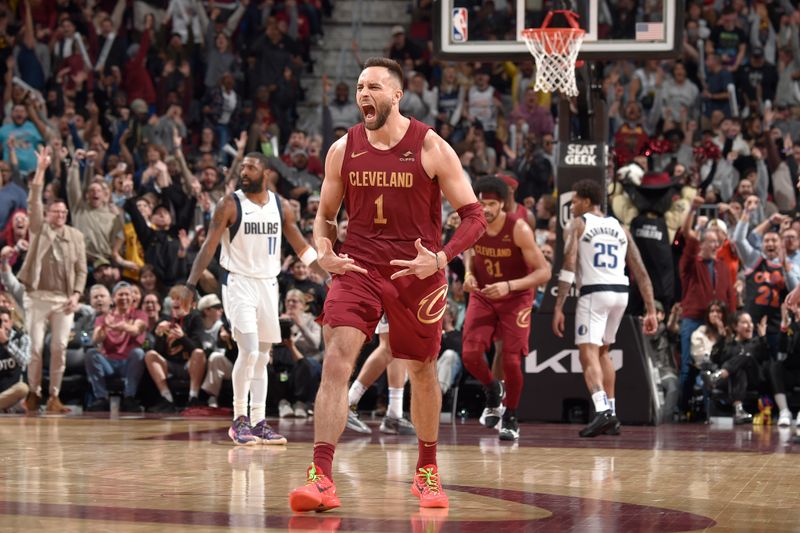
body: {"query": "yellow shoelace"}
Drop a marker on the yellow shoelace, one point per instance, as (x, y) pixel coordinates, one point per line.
(431, 479)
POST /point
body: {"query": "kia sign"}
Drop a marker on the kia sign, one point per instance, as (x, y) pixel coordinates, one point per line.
(554, 377)
(565, 362)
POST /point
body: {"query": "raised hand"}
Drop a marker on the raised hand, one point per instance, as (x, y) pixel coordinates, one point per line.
(422, 266)
(184, 239)
(241, 143)
(335, 264)
(43, 160)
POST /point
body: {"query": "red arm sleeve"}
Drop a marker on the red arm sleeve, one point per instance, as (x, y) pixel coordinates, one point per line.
(472, 226)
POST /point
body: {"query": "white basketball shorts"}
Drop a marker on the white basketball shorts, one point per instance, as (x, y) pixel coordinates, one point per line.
(597, 317)
(251, 305)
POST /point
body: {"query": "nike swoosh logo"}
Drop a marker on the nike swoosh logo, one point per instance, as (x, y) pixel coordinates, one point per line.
(430, 445)
(325, 489)
(353, 155)
(250, 213)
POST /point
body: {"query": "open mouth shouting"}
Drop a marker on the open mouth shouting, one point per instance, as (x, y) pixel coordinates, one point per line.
(369, 112)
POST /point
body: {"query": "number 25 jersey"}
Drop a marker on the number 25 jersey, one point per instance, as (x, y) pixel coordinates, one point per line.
(601, 253)
(390, 199)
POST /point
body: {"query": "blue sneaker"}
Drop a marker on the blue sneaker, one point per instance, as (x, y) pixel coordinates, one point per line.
(266, 435)
(240, 432)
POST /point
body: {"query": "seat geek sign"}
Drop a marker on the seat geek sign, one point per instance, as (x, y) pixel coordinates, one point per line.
(582, 155)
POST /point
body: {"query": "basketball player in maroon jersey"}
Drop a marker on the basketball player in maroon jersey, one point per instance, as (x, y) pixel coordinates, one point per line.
(390, 171)
(503, 270)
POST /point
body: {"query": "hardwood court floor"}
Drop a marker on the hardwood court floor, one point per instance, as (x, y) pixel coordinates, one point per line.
(99, 474)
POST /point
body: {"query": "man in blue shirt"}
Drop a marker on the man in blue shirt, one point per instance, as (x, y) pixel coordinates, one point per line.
(27, 137)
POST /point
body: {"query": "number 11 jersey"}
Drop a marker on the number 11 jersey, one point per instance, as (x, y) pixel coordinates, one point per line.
(601, 254)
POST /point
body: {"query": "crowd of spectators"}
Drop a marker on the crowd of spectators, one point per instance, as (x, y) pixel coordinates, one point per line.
(147, 108)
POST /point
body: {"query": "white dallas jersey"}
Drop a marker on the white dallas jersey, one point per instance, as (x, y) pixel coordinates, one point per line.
(601, 252)
(252, 245)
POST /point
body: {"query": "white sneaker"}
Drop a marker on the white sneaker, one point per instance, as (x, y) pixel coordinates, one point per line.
(285, 409)
(492, 416)
(355, 423)
(300, 410)
(785, 418)
(797, 420)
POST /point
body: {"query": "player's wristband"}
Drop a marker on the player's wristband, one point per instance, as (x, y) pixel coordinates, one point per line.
(436, 255)
(566, 276)
(308, 256)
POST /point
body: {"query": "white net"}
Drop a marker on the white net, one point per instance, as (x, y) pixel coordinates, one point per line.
(555, 51)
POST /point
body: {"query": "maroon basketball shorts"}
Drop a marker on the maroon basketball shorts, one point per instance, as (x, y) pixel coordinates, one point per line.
(413, 306)
(507, 319)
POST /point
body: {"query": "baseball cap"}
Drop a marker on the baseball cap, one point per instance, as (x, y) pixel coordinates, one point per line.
(120, 285)
(719, 224)
(101, 261)
(757, 52)
(398, 29)
(208, 301)
(659, 306)
(314, 198)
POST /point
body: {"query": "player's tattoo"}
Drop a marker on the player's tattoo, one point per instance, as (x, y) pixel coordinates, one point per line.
(574, 231)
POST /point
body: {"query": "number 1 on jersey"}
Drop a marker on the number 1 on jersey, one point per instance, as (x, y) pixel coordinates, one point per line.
(272, 243)
(379, 218)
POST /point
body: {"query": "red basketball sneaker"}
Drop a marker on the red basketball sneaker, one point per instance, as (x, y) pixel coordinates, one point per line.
(428, 488)
(318, 494)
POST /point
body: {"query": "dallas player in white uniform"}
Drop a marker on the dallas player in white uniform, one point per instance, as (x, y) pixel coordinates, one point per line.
(599, 247)
(250, 224)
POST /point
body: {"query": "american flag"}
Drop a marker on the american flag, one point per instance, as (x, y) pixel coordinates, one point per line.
(649, 31)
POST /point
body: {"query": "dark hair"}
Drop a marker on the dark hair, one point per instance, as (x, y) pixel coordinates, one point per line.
(737, 316)
(723, 308)
(261, 158)
(491, 184)
(592, 190)
(390, 64)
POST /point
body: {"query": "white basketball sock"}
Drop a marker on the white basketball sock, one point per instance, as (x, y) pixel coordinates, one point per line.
(600, 401)
(395, 409)
(167, 395)
(357, 390)
(613, 404)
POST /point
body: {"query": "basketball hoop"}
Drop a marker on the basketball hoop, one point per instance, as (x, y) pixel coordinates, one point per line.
(555, 51)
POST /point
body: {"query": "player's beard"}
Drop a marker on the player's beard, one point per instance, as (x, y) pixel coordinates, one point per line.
(382, 111)
(255, 185)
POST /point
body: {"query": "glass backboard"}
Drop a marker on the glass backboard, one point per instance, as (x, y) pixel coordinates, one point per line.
(490, 30)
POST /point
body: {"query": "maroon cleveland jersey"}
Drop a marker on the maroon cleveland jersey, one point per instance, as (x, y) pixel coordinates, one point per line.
(390, 199)
(497, 258)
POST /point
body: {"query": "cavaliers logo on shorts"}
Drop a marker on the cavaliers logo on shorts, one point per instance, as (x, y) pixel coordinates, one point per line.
(524, 318)
(432, 306)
